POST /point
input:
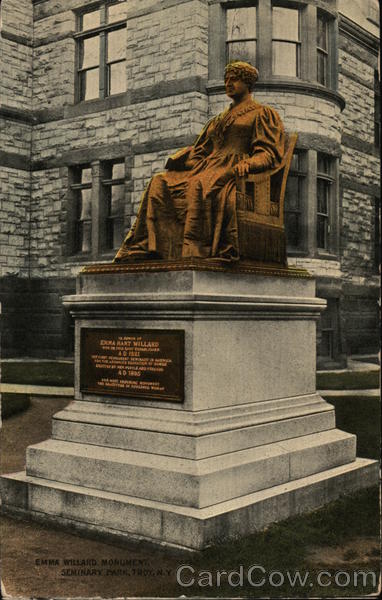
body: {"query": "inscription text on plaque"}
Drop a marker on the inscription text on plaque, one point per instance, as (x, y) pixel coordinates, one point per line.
(144, 363)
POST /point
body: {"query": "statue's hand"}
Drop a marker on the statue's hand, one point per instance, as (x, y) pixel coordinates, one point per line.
(242, 168)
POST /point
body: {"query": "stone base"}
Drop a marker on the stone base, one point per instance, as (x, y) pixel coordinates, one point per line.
(120, 517)
(251, 443)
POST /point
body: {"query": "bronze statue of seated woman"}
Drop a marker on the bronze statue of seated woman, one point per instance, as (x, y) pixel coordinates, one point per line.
(191, 210)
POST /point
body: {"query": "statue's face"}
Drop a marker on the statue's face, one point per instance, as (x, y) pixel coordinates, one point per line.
(234, 86)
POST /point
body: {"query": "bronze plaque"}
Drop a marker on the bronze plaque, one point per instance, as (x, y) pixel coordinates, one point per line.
(133, 363)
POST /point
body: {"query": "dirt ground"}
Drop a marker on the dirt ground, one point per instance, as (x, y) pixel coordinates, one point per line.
(41, 562)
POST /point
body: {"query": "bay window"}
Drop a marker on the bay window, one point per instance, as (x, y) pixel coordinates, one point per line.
(292, 39)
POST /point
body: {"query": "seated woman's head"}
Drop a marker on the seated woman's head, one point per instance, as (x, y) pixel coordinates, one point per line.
(242, 70)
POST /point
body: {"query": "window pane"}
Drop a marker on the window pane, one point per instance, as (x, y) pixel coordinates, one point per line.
(117, 78)
(116, 12)
(86, 175)
(82, 224)
(322, 61)
(116, 45)
(85, 203)
(90, 20)
(285, 23)
(292, 225)
(322, 232)
(292, 193)
(117, 198)
(241, 23)
(326, 344)
(322, 33)
(323, 164)
(118, 171)
(89, 84)
(285, 59)
(242, 51)
(322, 196)
(296, 163)
(89, 52)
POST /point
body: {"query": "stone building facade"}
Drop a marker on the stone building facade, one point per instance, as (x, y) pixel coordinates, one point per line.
(96, 94)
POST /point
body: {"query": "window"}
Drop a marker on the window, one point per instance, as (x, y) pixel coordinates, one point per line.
(241, 34)
(328, 330)
(82, 214)
(322, 50)
(96, 207)
(294, 195)
(325, 181)
(113, 195)
(101, 51)
(285, 41)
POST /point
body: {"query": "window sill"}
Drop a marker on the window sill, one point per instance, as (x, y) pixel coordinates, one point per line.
(326, 256)
(98, 104)
(297, 253)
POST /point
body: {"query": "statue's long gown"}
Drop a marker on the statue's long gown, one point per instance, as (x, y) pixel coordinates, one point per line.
(190, 210)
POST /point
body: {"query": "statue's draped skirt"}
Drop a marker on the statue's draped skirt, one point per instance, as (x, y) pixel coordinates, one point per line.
(190, 210)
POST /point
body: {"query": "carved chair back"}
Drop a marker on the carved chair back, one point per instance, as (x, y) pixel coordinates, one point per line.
(260, 211)
(260, 196)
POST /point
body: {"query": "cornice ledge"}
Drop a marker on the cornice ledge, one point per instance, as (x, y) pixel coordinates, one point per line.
(282, 85)
(18, 114)
(359, 34)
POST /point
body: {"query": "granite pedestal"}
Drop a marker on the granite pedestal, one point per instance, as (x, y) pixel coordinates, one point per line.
(250, 443)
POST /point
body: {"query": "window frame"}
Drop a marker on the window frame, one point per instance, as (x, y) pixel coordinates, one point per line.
(301, 173)
(251, 39)
(297, 44)
(98, 217)
(76, 222)
(324, 51)
(329, 180)
(106, 216)
(101, 32)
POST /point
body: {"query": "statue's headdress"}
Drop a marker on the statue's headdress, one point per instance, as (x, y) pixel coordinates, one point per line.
(244, 71)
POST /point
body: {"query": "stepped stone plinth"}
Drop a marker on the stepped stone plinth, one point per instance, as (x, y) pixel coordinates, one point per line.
(196, 417)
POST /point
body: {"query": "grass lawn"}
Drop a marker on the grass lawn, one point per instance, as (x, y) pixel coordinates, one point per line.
(349, 380)
(286, 546)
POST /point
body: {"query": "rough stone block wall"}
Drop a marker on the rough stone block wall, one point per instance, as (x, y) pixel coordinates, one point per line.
(360, 314)
(359, 164)
(50, 325)
(15, 311)
(16, 138)
(167, 44)
(14, 221)
(16, 53)
(16, 74)
(357, 118)
(34, 322)
(53, 74)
